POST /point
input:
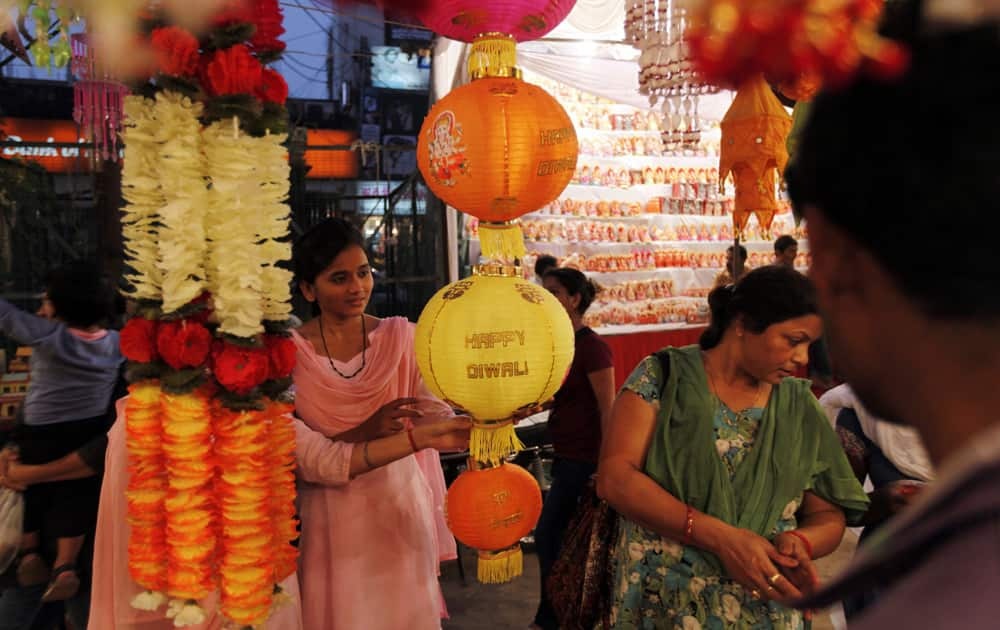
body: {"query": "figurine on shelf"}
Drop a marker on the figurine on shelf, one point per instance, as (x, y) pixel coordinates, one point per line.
(683, 234)
(584, 175)
(623, 179)
(647, 175)
(713, 233)
(703, 234)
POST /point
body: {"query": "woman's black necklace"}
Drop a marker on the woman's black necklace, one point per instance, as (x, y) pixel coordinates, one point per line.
(364, 348)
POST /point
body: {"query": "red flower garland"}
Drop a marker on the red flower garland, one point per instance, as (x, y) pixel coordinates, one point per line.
(138, 340)
(281, 356)
(267, 19)
(240, 369)
(273, 88)
(183, 344)
(232, 71)
(176, 51)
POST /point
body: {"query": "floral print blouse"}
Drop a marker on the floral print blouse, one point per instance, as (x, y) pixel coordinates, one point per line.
(663, 585)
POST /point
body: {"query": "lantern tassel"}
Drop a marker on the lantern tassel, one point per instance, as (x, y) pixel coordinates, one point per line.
(493, 55)
(497, 567)
(491, 442)
(502, 242)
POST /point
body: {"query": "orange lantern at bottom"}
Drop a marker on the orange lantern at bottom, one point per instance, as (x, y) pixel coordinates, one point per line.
(491, 510)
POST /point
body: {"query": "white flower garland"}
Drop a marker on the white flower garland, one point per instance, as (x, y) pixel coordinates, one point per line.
(143, 196)
(246, 218)
(181, 172)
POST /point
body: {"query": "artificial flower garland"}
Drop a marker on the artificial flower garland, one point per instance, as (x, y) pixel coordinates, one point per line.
(211, 500)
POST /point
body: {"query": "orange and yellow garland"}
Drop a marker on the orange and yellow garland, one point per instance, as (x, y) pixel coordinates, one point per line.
(146, 493)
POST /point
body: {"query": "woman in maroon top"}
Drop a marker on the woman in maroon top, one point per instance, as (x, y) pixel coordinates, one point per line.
(580, 409)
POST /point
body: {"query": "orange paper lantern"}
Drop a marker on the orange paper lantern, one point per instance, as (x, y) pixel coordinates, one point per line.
(497, 148)
(753, 150)
(491, 510)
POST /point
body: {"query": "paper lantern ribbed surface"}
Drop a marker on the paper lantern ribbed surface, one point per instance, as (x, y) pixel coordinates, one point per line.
(497, 148)
(464, 19)
(491, 345)
(490, 510)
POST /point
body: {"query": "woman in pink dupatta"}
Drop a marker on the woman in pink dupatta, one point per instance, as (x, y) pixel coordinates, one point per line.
(371, 501)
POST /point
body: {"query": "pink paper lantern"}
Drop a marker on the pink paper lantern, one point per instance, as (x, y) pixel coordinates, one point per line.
(463, 20)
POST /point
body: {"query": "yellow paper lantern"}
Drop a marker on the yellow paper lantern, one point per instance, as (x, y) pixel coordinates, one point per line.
(491, 345)
(491, 510)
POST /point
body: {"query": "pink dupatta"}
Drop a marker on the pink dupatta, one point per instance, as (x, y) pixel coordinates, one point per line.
(383, 531)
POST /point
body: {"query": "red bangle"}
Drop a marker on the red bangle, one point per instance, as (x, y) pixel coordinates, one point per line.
(805, 541)
(413, 443)
(689, 526)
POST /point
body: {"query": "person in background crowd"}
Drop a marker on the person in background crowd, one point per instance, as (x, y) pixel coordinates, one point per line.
(580, 412)
(918, 339)
(890, 455)
(786, 249)
(728, 477)
(543, 264)
(372, 492)
(726, 276)
(74, 369)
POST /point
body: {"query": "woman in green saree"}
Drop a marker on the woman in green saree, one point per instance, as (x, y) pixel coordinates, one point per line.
(727, 475)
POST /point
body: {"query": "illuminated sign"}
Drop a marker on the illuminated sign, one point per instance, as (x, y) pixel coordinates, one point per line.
(35, 134)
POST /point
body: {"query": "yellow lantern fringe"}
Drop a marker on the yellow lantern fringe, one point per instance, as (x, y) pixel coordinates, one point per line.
(497, 567)
(502, 242)
(190, 502)
(181, 235)
(493, 55)
(491, 442)
(143, 196)
(146, 493)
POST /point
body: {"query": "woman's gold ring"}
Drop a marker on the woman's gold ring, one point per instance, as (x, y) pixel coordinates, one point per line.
(755, 593)
(774, 578)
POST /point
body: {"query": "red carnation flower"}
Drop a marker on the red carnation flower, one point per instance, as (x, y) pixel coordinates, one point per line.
(183, 344)
(232, 71)
(240, 369)
(176, 51)
(281, 356)
(138, 340)
(273, 88)
(267, 20)
(234, 12)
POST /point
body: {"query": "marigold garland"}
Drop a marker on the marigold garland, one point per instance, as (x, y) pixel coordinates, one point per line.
(146, 493)
(190, 501)
(212, 489)
(281, 468)
(244, 497)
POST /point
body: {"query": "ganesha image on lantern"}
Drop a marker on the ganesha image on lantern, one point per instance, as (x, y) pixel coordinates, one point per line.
(445, 150)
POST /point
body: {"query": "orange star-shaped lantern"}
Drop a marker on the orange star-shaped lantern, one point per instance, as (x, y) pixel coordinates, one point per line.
(753, 151)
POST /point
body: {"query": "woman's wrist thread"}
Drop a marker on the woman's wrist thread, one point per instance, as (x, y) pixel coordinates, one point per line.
(413, 442)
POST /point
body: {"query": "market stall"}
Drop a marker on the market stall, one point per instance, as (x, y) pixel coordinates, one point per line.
(644, 215)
